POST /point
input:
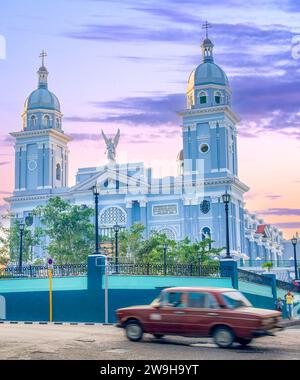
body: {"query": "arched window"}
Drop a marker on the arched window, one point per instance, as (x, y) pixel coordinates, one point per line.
(113, 215)
(58, 172)
(218, 97)
(47, 121)
(170, 234)
(32, 121)
(57, 123)
(203, 97)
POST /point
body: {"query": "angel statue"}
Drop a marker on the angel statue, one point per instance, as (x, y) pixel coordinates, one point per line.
(111, 146)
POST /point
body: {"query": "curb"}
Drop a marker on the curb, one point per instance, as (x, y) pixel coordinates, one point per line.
(290, 323)
(55, 323)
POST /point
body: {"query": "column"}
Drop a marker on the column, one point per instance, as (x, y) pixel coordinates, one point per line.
(129, 214)
(143, 210)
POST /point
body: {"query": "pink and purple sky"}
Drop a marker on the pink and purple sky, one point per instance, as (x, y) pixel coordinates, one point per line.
(125, 64)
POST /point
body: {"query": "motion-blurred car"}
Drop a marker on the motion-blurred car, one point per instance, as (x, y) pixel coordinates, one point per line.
(224, 314)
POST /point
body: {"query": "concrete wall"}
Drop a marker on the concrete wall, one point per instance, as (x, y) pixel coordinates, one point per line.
(81, 298)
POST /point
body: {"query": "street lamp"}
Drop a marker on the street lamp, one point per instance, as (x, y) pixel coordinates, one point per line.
(21, 229)
(226, 200)
(96, 196)
(117, 229)
(294, 241)
(165, 258)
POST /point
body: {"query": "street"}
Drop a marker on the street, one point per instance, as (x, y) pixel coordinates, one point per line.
(109, 343)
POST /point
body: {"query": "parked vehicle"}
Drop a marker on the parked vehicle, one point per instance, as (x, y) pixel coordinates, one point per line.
(224, 314)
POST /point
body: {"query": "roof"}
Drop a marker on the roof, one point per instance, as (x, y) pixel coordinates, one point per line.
(199, 288)
(261, 229)
(42, 98)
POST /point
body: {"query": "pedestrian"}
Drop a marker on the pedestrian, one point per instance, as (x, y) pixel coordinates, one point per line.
(279, 304)
(289, 300)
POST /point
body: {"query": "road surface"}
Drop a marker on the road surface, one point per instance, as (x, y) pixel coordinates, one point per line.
(109, 343)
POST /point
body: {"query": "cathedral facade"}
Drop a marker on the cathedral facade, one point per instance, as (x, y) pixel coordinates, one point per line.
(187, 205)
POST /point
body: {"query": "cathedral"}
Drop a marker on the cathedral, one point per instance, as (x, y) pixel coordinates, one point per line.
(187, 205)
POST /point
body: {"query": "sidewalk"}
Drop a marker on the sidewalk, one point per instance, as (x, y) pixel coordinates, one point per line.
(290, 323)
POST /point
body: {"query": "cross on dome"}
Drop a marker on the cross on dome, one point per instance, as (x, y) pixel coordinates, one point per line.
(206, 26)
(43, 55)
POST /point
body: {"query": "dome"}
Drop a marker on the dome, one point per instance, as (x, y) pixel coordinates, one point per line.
(207, 73)
(180, 155)
(42, 98)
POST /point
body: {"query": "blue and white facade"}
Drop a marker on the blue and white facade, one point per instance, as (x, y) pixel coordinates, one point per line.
(189, 204)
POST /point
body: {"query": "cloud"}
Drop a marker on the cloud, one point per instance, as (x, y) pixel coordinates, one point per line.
(288, 225)
(273, 197)
(5, 192)
(3, 208)
(235, 36)
(281, 211)
(144, 110)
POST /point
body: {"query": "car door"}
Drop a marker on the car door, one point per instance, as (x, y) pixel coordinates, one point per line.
(201, 312)
(169, 317)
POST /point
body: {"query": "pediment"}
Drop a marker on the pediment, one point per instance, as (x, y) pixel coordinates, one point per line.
(113, 181)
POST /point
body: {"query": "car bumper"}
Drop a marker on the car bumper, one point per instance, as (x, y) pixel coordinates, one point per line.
(270, 332)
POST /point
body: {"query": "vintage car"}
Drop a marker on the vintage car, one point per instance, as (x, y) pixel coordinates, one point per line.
(224, 314)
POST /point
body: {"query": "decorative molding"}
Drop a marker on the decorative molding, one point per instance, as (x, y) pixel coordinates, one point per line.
(211, 110)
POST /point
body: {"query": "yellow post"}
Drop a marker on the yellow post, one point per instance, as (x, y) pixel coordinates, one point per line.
(50, 296)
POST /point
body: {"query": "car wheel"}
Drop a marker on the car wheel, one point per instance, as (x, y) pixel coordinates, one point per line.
(223, 336)
(134, 331)
(158, 336)
(244, 341)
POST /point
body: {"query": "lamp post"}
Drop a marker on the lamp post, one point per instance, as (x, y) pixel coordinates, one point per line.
(21, 229)
(117, 230)
(165, 258)
(96, 196)
(294, 242)
(226, 200)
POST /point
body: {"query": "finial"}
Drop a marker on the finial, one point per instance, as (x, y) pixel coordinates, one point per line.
(43, 55)
(206, 26)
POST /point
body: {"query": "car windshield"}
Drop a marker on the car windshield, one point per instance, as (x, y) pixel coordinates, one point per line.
(234, 300)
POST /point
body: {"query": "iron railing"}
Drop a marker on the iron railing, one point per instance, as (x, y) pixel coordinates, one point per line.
(41, 271)
(247, 276)
(259, 263)
(204, 270)
(287, 286)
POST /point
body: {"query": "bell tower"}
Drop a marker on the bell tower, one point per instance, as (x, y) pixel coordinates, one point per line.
(41, 148)
(210, 160)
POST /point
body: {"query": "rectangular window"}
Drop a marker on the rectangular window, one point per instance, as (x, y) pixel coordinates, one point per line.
(202, 301)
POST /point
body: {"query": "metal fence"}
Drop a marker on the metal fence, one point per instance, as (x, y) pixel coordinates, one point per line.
(41, 271)
(204, 270)
(259, 263)
(247, 276)
(287, 286)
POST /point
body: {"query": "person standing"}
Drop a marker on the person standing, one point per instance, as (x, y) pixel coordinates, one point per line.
(289, 300)
(279, 304)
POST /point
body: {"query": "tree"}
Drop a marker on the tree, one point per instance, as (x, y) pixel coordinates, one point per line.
(4, 243)
(69, 230)
(151, 250)
(196, 252)
(267, 265)
(10, 240)
(131, 241)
